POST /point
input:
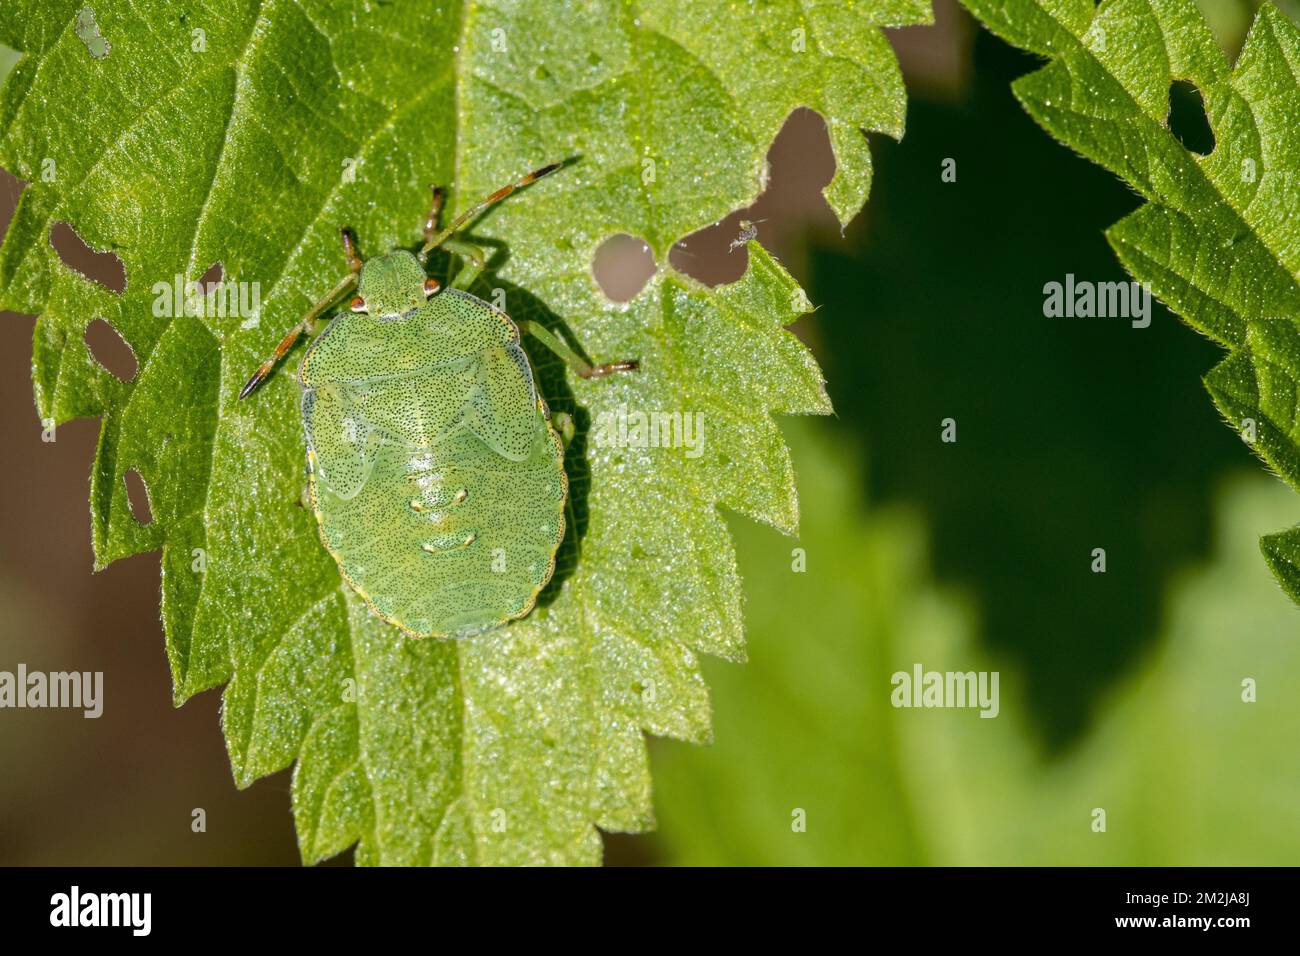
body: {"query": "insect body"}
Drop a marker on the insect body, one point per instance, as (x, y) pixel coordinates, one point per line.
(434, 472)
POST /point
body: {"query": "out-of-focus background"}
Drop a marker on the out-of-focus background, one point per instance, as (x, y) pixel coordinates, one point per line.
(1120, 691)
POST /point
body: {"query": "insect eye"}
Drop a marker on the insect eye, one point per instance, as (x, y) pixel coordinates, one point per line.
(431, 286)
(357, 304)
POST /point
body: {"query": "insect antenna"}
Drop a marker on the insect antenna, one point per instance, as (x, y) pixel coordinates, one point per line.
(341, 288)
(433, 241)
(308, 321)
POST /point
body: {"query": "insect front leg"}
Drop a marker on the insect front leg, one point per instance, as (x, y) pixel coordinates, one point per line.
(431, 221)
(475, 261)
(571, 358)
(308, 321)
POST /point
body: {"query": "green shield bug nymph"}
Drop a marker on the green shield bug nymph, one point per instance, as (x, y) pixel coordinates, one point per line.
(434, 473)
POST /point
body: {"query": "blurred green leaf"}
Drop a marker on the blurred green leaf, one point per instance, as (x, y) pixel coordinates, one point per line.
(1187, 772)
(807, 724)
(1219, 236)
(245, 133)
(8, 60)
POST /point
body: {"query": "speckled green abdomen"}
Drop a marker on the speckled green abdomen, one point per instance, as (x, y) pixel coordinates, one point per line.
(436, 478)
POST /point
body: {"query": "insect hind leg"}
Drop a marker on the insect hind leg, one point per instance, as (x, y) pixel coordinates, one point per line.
(580, 366)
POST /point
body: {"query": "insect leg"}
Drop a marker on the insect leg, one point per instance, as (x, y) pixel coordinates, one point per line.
(341, 288)
(434, 241)
(308, 321)
(435, 210)
(475, 261)
(571, 358)
(350, 249)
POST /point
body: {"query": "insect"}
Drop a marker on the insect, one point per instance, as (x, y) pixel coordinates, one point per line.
(434, 472)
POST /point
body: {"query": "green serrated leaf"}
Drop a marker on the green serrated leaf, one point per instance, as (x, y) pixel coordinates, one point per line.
(1219, 237)
(1282, 552)
(245, 133)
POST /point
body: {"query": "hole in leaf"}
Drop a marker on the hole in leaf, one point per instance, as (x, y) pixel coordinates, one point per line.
(137, 497)
(936, 58)
(800, 164)
(211, 279)
(102, 267)
(622, 266)
(1187, 120)
(110, 350)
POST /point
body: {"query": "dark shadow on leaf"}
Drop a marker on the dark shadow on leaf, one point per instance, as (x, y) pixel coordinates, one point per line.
(1072, 433)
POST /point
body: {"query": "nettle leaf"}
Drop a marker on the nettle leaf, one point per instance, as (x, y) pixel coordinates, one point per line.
(245, 134)
(1219, 237)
